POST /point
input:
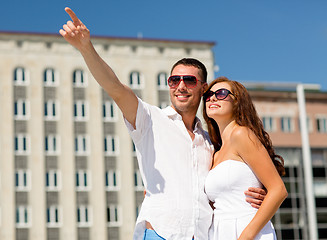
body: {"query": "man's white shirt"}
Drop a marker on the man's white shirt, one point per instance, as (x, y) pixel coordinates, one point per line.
(173, 169)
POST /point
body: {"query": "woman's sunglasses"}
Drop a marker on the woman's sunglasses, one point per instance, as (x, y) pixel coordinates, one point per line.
(220, 94)
(190, 81)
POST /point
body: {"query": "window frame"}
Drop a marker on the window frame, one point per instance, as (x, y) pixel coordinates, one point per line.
(112, 176)
(80, 78)
(22, 139)
(109, 106)
(54, 221)
(111, 145)
(116, 211)
(53, 180)
(54, 79)
(321, 119)
(289, 123)
(24, 76)
(162, 81)
(23, 180)
(52, 142)
(82, 145)
(81, 110)
(80, 176)
(84, 216)
(136, 80)
(23, 212)
(19, 106)
(51, 110)
(272, 123)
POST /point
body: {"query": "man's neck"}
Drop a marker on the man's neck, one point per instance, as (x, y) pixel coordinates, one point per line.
(189, 122)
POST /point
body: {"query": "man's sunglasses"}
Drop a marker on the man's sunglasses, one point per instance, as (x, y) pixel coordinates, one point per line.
(220, 94)
(190, 81)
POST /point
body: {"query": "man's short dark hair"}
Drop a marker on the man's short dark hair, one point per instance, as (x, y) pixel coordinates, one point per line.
(192, 62)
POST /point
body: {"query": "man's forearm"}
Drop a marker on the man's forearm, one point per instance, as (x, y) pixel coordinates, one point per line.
(102, 72)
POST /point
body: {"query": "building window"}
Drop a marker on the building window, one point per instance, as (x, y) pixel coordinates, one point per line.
(309, 125)
(318, 157)
(52, 180)
(21, 109)
(81, 145)
(53, 216)
(79, 78)
(113, 215)
(162, 81)
(83, 180)
(51, 110)
(291, 156)
(81, 110)
(111, 145)
(109, 111)
(84, 216)
(22, 180)
(51, 77)
(268, 124)
(23, 217)
(321, 124)
(22, 144)
(138, 183)
(286, 124)
(20, 76)
(136, 80)
(52, 144)
(320, 188)
(112, 180)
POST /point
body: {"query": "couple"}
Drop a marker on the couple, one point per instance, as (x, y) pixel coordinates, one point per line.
(175, 154)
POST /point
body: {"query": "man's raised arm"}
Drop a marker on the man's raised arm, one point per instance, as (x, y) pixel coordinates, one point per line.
(76, 33)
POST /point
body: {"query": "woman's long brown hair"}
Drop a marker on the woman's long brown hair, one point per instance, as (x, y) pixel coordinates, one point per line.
(246, 115)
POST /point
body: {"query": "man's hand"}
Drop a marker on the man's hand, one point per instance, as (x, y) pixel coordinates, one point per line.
(75, 32)
(255, 196)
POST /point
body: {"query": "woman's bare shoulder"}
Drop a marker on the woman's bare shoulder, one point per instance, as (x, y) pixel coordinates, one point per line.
(243, 135)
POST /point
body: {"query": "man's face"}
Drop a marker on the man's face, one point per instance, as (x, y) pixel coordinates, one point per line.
(184, 99)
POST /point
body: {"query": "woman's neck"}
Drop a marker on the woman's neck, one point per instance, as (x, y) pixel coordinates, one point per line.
(225, 128)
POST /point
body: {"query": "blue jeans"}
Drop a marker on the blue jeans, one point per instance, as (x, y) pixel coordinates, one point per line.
(151, 235)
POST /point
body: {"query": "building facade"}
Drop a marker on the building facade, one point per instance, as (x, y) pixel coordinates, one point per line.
(67, 164)
(279, 112)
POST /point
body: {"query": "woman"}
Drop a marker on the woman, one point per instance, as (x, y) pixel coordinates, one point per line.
(243, 157)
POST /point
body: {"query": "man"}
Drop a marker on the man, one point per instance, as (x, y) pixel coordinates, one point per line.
(173, 151)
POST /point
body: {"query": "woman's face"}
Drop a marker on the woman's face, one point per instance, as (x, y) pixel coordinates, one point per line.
(220, 109)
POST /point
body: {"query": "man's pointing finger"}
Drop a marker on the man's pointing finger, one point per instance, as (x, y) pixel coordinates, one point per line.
(73, 16)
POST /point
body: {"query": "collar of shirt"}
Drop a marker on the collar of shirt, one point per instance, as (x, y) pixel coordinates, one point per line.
(171, 113)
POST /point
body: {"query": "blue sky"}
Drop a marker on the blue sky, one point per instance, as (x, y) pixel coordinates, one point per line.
(256, 40)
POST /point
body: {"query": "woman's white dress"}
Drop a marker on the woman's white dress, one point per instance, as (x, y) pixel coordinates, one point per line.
(225, 186)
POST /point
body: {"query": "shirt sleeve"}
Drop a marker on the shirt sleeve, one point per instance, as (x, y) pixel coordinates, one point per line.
(143, 118)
